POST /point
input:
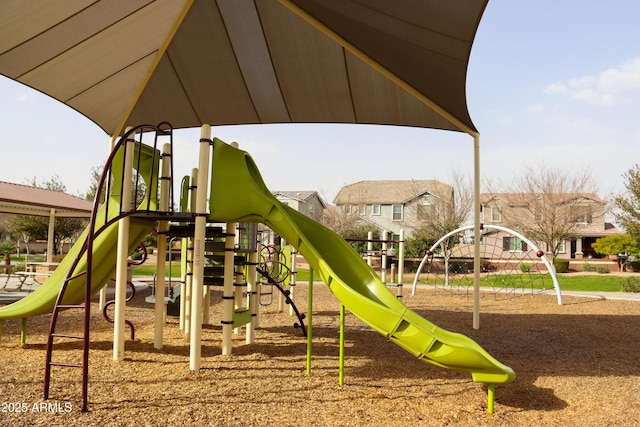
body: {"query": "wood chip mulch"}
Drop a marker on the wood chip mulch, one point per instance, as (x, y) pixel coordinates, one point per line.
(576, 364)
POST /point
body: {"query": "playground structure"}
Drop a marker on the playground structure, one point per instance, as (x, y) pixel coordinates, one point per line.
(385, 258)
(237, 195)
(449, 264)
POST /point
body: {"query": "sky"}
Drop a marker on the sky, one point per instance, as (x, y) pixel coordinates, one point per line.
(549, 82)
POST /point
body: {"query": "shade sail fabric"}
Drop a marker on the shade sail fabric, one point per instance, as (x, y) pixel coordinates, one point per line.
(221, 62)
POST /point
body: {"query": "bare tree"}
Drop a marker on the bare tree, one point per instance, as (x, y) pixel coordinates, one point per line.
(340, 219)
(445, 214)
(550, 206)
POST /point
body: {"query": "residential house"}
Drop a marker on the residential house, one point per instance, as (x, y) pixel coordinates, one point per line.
(308, 203)
(395, 205)
(520, 211)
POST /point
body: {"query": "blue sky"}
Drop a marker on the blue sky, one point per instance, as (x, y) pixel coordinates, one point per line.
(554, 82)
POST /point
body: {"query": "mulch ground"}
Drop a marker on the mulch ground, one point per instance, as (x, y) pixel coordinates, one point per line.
(577, 364)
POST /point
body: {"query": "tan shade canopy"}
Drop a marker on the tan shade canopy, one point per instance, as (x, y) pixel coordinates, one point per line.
(127, 62)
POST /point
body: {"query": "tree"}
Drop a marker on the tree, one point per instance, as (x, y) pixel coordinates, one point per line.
(37, 227)
(549, 206)
(628, 214)
(442, 218)
(621, 243)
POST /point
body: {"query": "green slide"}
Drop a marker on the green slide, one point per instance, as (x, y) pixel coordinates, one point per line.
(238, 193)
(43, 299)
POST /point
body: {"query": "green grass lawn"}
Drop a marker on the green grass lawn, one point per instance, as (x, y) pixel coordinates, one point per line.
(591, 282)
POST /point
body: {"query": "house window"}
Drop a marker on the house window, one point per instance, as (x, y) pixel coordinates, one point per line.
(496, 214)
(397, 212)
(513, 244)
(424, 211)
(561, 248)
(375, 210)
(363, 210)
(537, 216)
(310, 208)
(582, 215)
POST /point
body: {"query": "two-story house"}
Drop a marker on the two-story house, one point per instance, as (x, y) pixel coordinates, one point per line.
(580, 216)
(308, 203)
(396, 204)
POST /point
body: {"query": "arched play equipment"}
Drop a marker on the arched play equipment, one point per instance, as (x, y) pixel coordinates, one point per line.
(511, 264)
(225, 191)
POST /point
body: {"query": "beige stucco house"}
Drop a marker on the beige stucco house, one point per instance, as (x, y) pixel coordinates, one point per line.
(395, 205)
(308, 203)
(520, 210)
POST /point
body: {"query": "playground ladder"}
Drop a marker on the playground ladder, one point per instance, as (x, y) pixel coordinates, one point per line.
(146, 162)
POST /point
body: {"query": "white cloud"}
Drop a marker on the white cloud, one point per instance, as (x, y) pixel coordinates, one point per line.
(26, 96)
(607, 88)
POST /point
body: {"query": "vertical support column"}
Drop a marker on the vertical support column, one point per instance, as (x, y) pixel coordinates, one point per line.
(369, 248)
(341, 351)
(188, 286)
(309, 321)
(401, 264)
(195, 339)
(383, 262)
(476, 232)
(228, 290)
(50, 234)
(160, 306)
(252, 295)
(292, 280)
(491, 396)
(103, 290)
(122, 255)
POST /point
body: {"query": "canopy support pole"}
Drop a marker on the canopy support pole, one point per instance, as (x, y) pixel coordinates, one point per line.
(476, 232)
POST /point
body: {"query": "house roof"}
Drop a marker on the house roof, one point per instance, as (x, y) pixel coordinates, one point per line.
(27, 200)
(523, 198)
(390, 191)
(301, 196)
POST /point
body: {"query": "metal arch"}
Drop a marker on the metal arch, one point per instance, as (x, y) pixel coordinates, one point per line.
(544, 258)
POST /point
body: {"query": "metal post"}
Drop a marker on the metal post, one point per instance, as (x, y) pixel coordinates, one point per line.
(228, 291)
(252, 295)
(309, 320)
(476, 232)
(160, 307)
(122, 255)
(195, 338)
(401, 264)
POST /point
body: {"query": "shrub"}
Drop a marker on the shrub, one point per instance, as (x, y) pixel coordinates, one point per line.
(136, 256)
(587, 267)
(459, 267)
(525, 267)
(630, 284)
(486, 265)
(561, 265)
(602, 270)
(634, 266)
(7, 246)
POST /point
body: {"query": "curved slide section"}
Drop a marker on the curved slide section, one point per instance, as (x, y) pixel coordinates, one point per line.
(42, 300)
(239, 194)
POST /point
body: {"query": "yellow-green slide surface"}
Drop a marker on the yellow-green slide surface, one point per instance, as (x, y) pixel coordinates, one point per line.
(239, 194)
(43, 299)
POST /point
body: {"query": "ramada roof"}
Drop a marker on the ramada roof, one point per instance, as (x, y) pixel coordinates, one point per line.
(27, 200)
